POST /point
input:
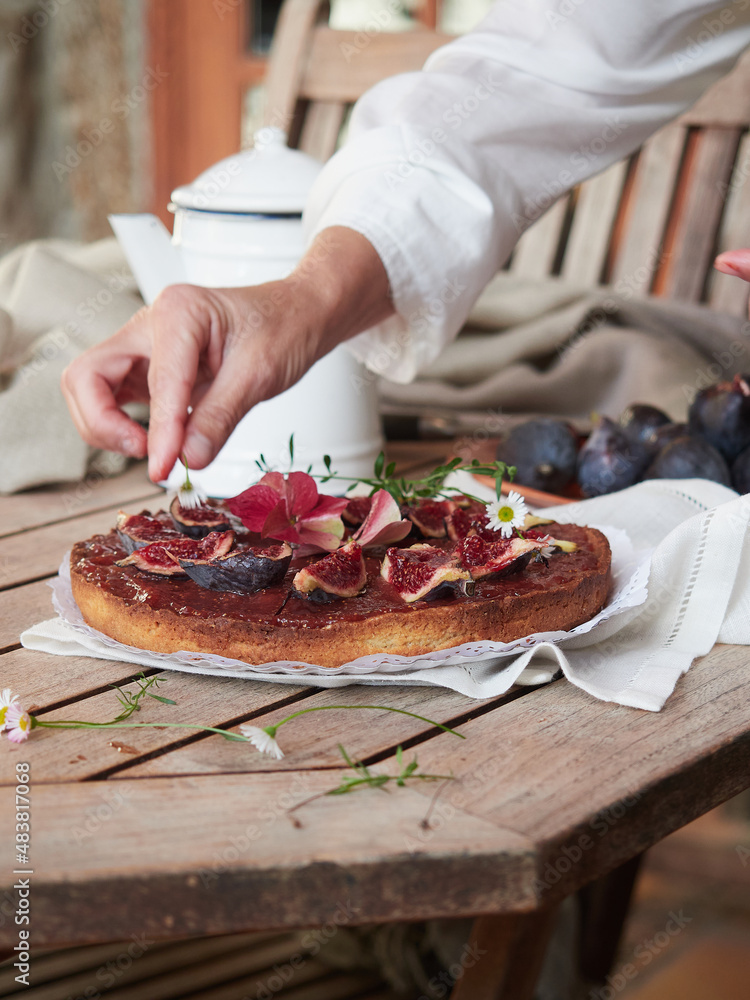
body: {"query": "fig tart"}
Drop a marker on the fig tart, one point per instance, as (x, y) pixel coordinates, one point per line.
(201, 581)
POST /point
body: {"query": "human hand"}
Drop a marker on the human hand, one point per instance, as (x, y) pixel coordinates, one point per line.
(221, 351)
(734, 262)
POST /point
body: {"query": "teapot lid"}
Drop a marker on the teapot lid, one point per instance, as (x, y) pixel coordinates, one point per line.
(269, 178)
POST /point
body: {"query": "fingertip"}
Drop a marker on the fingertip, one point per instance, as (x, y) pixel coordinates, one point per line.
(734, 262)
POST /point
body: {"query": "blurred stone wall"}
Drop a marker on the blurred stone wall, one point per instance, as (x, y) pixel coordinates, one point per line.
(74, 92)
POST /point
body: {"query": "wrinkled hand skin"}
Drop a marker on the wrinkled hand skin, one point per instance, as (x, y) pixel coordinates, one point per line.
(221, 351)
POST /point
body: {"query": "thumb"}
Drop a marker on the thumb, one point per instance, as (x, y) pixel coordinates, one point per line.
(734, 262)
(215, 416)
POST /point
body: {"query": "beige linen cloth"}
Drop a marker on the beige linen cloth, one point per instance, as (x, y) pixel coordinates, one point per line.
(57, 298)
(530, 346)
(547, 346)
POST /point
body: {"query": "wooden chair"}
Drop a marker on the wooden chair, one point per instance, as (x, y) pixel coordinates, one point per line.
(651, 223)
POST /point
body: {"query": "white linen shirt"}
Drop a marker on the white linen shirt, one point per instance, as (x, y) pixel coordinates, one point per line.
(445, 168)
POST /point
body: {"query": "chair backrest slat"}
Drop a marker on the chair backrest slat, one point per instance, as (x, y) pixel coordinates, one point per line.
(342, 65)
(591, 229)
(536, 251)
(321, 128)
(724, 292)
(644, 216)
(699, 204)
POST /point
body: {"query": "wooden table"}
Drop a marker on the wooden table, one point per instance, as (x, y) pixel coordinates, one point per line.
(177, 833)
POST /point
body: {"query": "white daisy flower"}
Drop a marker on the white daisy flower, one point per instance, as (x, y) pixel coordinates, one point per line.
(507, 513)
(262, 740)
(191, 496)
(17, 722)
(7, 698)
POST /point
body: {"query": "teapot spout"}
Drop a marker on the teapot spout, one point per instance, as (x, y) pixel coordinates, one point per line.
(154, 260)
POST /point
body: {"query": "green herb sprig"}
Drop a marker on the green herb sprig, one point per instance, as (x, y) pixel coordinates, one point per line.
(364, 777)
(405, 490)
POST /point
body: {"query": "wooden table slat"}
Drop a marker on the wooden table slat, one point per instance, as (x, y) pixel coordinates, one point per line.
(225, 854)
(70, 500)
(22, 607)
(310, 741)
(38, 552)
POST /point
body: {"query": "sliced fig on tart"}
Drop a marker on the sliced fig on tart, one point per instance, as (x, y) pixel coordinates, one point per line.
(422, 571)
(338, 575)
(497, 558)
(137, 530)
(356, 510)
(164, 557)
(244, 570)
(428, 517)
(197, 522)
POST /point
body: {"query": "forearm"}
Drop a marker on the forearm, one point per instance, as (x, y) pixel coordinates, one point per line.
(342, 287)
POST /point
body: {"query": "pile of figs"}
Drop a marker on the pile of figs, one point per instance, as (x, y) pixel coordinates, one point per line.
(644, 443)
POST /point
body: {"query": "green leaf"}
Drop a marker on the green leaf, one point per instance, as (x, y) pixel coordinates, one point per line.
(291, 447)
(390, 470)
(379, 463)
(160, 697)
(400, 755)
(327, 462)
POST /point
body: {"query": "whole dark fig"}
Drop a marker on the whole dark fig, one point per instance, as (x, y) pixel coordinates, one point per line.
(543, 451)
(659, 437)
(640, 420)
(721, 416)
(689, 458)
(609, 461)
(741, 472)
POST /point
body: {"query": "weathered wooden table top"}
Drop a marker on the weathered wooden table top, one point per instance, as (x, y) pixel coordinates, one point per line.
(175, 832)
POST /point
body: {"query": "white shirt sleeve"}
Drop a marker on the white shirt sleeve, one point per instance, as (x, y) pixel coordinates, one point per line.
(445, 168)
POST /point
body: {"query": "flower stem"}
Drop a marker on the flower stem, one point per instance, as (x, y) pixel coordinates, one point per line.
(377, 708)
(73, 724)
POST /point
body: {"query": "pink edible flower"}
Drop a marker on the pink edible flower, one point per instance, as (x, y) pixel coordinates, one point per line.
(17, 723)
(383, 524)
(290, 509)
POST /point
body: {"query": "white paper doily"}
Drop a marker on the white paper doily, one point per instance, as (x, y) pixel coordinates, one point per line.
(630, 570)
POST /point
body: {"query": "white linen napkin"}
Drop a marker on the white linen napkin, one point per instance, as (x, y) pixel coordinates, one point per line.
(698, 594)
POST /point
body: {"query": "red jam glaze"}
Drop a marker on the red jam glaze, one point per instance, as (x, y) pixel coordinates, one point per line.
(95, 560)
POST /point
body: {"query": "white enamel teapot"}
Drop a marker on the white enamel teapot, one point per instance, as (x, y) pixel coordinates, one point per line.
(240, 223)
